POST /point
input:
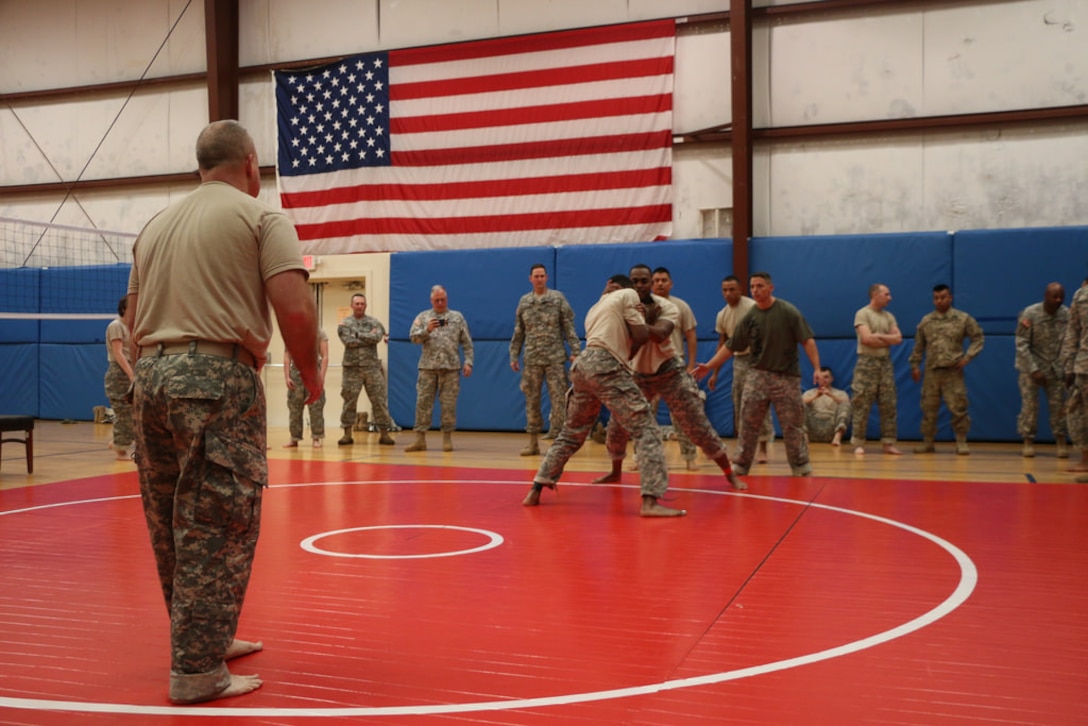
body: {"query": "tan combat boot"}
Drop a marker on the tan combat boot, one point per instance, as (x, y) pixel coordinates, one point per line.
(532, 448)
(1028, 451)
(385, 439)
(961, 445)
(346, 440)
(926, 447)
(420, 444)
(447, 441)
(1063, 450)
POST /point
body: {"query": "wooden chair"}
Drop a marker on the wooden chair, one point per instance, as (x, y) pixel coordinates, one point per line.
(20, 423)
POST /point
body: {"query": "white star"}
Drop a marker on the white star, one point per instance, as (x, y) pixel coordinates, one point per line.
(377, 62)
(381, 153)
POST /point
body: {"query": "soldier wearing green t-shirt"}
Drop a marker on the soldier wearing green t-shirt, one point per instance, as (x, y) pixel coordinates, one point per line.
(772, 329)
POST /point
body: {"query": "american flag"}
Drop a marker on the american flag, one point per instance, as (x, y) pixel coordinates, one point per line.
(558, 138)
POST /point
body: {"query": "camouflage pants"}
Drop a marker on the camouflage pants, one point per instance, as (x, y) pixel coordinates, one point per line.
(1074, 416)
(598, 378)
(201, 454)
(741, 368)
(532, 383)
(944, 383)
(874, 380)
(679, 391)
(117, 385)
(1028, 420)
(761, 389)
(446, 385)
(687, 449)
(296, 400)
(355, 378)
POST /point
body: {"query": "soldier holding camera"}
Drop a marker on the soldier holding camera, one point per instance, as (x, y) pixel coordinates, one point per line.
(441, 332)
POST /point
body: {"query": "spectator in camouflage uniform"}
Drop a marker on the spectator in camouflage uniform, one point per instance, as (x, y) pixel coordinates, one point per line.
(660, 374)
(772, 329)
(440, 331)
(297, 394)
(736, 307)
(118, 381)
(615, 329)
(1039, 335)
(199, 404)
(827, 410)
(1074, 410)
(939, 339)
(685, 342)
(1074, 361)
(874, 376)
(360, 335)
(544, 321)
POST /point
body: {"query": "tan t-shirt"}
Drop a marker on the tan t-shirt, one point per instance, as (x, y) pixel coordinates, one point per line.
(650, 356)
(116, 330)
(879, 321)
(606, 323)
(685, 323)
(729, 316)
(199, 268)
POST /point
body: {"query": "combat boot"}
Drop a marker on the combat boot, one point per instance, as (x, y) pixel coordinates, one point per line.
(926, 447)
(532, 448)
(420, 444)
(1063, 450)
(447, 441)
(551, 433)
(1028, 451)
(961, 445)
(346, 440)
(385, 439)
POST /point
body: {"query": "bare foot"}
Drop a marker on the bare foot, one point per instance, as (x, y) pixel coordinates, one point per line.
(609, 478)
(836, 441)
(533, 497)
(122, 455)
(691, 465)
(860, 451)
(735, 482)
(761, 453)
(291, 445)
(239, 686)
(238, 648)
(650, 508)
(317, 443)
(891, 450)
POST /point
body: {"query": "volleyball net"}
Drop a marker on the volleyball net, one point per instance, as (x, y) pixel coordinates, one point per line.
(56, 271)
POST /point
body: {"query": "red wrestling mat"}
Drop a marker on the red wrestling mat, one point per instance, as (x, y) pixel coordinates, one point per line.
(384, 592)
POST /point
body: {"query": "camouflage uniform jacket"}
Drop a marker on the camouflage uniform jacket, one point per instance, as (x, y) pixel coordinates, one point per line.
(543, 323)
(440, 347)
(1039, 338)
(360, 337)
(940, 337)
(1075, 345)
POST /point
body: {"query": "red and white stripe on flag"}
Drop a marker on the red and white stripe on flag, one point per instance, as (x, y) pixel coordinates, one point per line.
(550, 139)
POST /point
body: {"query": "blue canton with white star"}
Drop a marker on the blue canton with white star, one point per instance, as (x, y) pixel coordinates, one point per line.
(335, 117)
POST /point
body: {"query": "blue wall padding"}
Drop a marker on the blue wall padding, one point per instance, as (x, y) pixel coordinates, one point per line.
(92, 289)
(490, 399)
(19, 394)
(828, 278)
(483, 285)
(999, 272)
(72, 381)
(697, 268)
(19, 291)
